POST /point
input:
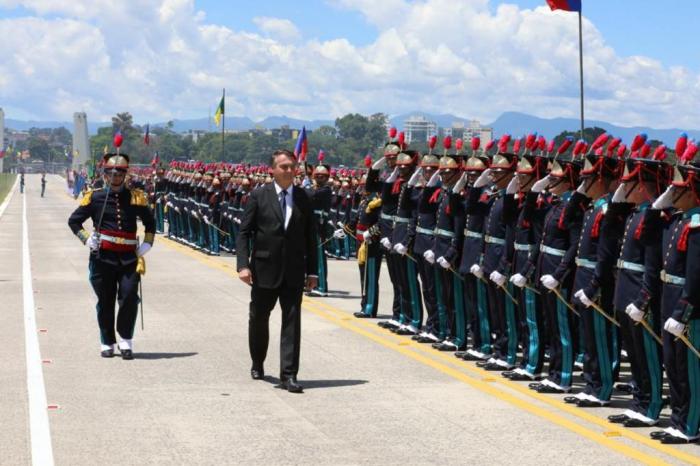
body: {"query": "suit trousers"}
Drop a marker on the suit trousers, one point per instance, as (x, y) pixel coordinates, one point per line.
(262, 302)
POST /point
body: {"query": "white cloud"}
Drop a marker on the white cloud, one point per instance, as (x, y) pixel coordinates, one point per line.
(164, 59)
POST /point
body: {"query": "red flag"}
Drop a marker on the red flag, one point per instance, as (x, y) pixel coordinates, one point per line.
(147, 134)
(566, 5)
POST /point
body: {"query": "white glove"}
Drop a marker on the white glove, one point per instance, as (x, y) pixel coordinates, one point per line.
(187, 211)
(585, 300)
(444, 263)
(206, 219)
(518, 280)
(400, 249)
(143, 249)
(339, 224)
(513, 186)
(386, 243)
(549, 282)
(461, 183)
(339, 234)
(413, 180)
(484, 179)
(93, 242)
(634, 312)
(177, 209)
(434, 180)
(497, 278)
(540, 185)
(429, 256)
(158, 201)
(394, 175)
(366, 235)
(477, 271)
(620, 193)
(170, 204)
(582, 188)
(379, 164)
(674, 327)
(664, 201)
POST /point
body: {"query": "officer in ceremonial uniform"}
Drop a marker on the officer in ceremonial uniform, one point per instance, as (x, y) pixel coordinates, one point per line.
(321, 197)
(159, 188)
(116, 257)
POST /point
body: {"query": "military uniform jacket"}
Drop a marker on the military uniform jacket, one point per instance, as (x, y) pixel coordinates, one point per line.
(121, 211)
(426, 216)
(449, 226)
(587, 253)
(476, 207)
(498, 237)
(528, 232)
(321, 199)
(390, 199)
(405, 219)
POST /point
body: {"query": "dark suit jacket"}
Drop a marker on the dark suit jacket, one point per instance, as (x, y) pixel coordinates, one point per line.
(275, 255)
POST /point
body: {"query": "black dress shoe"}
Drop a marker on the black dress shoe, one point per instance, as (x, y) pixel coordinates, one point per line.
(362, 315)
(492, 366)
(108, 353)
(292, 386)
(534, 385)
(572, 400)
(404, 331)
(518, 377)
(658, 434)
(547, 389)
(632, 422)
(590, 404)
(257, 374)
(127, 354)
(673, 440)
(618, 418)
(625, 387)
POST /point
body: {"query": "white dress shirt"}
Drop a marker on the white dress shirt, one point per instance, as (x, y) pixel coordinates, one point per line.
(288, 200)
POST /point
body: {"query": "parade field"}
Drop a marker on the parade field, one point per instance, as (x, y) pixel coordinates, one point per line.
(371, 397)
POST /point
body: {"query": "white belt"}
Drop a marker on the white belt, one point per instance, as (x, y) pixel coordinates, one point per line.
(424, 231)
(630, 266)
(552, 251)
(523, 247)
(672, 279)
(494, 240)
(585, 263)
(401, 219)
(118, 240)
(472, 234)
(387, 217)
(444, 233)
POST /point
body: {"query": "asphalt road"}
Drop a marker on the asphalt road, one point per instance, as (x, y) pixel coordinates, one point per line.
(371, 397)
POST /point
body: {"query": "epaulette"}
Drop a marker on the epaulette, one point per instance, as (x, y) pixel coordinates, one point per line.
(87, 197)
(373, 204)
(138, 198)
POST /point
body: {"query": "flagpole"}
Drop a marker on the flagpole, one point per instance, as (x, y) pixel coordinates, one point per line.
(580, 62)
(223, 126)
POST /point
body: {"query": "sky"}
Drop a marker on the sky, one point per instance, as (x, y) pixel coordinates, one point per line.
(165, 59)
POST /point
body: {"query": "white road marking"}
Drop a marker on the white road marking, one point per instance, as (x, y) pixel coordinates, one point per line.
(8, 198)
(42, 452)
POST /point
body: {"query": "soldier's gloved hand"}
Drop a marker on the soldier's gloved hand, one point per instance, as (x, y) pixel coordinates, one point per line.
(513, 186)
(143, 249)
(518, 280)
(540, 185)
(206, 219)
(394, 175)
(93, 242)
(386, 243)
(674, 327)
(413, 180)
(444, 263)
(429, 256)
(366, 235)
(158, 201)
(186, 209)
(549, 282)
(339, 234)
(665, 200)
(141, 266)
(585, 300)
(484, 179)
(434, 180)
(379, 164)
(620, 193)
(497, 278)
(177, 209)
(461, 183)
(477, 271)
(634, 312)
(339, 224)
(400, 249)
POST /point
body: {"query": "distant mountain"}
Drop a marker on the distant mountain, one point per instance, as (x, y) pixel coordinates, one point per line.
(518, 124)
(21, 125)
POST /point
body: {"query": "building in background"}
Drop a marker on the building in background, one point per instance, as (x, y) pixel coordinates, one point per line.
(419, 129)
(81, 141)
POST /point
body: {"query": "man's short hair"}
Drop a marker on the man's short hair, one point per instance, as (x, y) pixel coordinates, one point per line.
(279, 152)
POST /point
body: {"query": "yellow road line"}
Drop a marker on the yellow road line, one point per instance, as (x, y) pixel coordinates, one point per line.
(554, 402)
(316, 306)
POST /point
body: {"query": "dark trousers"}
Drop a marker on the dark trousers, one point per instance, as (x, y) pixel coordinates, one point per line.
(444, 290)
(369, 271)
(411, 300)
(395, 277)
(503, 324)
(536, 332)
(477, 308)
(262, 301)
(563, 343)
(115, 283)
(427, 282)
(683, 369)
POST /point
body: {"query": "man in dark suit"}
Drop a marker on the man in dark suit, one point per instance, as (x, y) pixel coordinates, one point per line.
(276, 242)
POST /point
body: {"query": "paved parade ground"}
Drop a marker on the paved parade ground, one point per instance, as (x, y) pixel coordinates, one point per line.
(370, 397)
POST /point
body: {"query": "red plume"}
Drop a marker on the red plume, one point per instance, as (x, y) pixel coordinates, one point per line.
(516, 146)
(690, 152)
(321, 156)
(659, 153)
(621, 151)
(681, 144)
(599, 151)
(600, 141)
(634, 154)
(541, 143)
(565, 145)
(476, 142)
(579, 147)
(489, 145)
(638, 142)
(613, 145)
(645, 151)
(531, 141)
(458, 144)
(447, 142)
(118, 139)
(402, 139)
(392, 133)
(432, 142)
(368, 160)
(550, 147)
(503, 143)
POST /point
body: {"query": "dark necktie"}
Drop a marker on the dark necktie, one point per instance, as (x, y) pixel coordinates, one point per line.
(283, 204)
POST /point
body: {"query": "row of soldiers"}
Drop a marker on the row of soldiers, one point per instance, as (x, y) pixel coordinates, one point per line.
(203, 206)
(523, 254)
